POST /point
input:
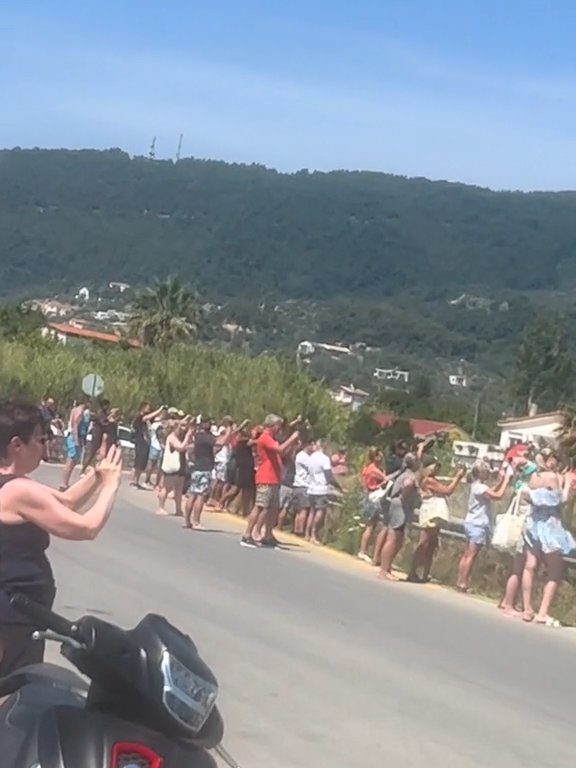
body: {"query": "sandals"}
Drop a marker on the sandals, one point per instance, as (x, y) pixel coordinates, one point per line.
(549, 621)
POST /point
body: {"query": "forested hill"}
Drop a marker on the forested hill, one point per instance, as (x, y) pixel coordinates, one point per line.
(69, 216)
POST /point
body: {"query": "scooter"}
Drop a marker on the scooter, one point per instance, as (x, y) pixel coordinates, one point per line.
(150, 703)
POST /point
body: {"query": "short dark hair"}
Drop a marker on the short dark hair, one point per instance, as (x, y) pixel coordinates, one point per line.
(17, 419)
(104, 403)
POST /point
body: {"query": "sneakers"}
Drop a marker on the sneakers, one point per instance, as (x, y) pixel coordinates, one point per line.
(364, 556)
(270, 543)
(248, 541)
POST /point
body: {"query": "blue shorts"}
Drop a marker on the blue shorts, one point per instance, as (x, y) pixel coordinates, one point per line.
(154, 454)
(73, 451)
(476, 534)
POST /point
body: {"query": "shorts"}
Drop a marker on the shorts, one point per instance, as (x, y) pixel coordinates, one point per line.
(73, 451)
(476, 534)
(268, 496)
(154, 454)
(318, 503)
(371, 510)
(286, 500)
(301, 500)
(220, 472)
(394, 516)
(200, 482)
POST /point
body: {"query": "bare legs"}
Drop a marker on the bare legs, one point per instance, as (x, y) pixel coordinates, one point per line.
(554, 563)
(365, 540)
(313, 525)
(466, 564)
(510, 598)
(174, 484)
(193, 507)
(392, 544)
(379, 546)
(424, 554)
(67, 473)
(300, 521)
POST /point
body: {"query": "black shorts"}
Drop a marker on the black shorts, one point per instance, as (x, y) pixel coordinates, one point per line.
(17, 648)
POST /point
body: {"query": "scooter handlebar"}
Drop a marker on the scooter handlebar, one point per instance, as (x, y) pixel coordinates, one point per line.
(42, 617)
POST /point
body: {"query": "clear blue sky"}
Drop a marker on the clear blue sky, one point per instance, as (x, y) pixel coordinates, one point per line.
(481, 91)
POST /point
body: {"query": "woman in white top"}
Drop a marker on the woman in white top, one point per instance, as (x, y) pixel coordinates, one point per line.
(479, 518)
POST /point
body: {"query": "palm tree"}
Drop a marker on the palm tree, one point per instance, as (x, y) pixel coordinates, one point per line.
(165, 313)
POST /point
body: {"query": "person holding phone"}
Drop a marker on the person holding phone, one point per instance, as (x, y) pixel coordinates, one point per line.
(31, 512)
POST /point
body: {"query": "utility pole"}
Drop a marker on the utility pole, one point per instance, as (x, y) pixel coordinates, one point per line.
(179, 150)
(476, 416)
(152, 152)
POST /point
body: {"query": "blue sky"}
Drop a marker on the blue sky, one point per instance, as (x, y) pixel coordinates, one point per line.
(480, 91)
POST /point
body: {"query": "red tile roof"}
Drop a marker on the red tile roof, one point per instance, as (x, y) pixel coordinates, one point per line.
(419, 427)
(86, 333)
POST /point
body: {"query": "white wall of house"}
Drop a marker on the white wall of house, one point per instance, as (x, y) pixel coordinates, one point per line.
(530, 429)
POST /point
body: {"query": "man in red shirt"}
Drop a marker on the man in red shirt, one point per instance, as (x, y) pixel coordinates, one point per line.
(269, 454)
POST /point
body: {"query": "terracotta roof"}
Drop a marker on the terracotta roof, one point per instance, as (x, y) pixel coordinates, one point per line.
(419, 427)
(89, 335)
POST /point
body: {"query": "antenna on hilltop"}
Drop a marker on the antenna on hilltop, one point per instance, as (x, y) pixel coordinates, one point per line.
(179, 150)
(152, 152)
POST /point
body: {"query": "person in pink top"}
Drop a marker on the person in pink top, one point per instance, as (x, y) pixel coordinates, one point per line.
(339, 461)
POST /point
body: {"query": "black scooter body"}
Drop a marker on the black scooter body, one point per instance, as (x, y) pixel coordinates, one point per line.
(53, 719)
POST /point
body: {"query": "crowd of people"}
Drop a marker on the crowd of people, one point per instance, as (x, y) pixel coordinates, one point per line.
(407, 486)
(277, 475)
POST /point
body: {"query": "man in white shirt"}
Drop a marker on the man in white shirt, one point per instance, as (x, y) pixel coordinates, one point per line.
(302, 478)
(321, 479)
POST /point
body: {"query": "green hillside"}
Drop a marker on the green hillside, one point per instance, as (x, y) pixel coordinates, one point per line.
(245, 231)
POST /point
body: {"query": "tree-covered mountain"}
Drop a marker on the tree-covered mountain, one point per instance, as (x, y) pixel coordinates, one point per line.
(246, 231)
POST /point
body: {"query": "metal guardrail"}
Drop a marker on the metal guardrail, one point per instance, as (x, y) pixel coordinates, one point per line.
(458, 533)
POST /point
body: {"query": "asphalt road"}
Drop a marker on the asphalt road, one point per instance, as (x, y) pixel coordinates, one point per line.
(323, 666)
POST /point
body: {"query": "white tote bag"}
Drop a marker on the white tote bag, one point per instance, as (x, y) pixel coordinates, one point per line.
(509, 527)
(170, 461)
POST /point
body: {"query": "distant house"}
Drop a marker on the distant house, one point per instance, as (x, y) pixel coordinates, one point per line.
(122, 287)
(529, 429)
(467, 452)
(65, 333)
(391, 374)
(422, 428)
(351, 397)
(458, 380)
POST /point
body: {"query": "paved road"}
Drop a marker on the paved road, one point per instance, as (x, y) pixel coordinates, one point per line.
(323, 666)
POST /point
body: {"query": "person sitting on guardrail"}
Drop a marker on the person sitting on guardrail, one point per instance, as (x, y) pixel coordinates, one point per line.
(546, 538)
(433, 511)
(478, 518)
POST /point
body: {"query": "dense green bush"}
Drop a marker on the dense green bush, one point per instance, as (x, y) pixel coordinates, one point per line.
(195, 378)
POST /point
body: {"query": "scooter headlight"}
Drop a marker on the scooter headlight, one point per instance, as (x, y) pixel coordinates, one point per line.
(187, 696)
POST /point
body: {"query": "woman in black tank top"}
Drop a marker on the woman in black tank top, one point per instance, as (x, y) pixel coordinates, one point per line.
(29, 513)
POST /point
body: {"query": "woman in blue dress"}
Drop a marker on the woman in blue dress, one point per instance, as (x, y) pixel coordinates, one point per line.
(546, 539)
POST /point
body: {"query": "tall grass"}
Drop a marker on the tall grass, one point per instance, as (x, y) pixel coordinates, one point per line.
(197, 379)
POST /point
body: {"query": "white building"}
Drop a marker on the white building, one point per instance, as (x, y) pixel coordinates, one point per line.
(529, 429)
(468, 452)
(391, 374)
(458, 380)
(351, 397)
